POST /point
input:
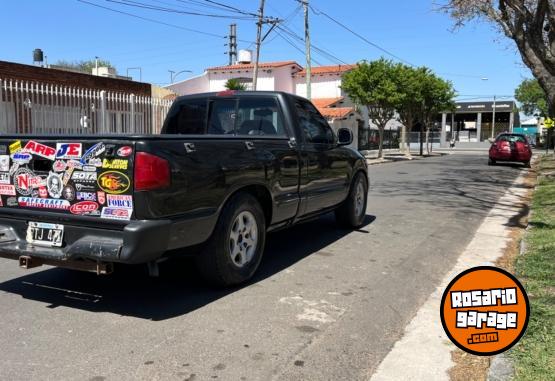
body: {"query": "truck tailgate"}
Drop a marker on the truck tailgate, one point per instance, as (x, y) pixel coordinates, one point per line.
(69, 177)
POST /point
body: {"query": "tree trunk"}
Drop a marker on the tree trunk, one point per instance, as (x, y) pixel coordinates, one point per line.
(428, 140)
(402, 143)
(380, 141)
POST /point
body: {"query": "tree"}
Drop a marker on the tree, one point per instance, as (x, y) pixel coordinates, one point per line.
(409, 105)
(372, 84)
(437, 96)
(532, 98)
(529, 23)
(234, 84)
(84, 66)
(423, 96)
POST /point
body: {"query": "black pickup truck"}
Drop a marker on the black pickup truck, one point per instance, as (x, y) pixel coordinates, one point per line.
(226, 169)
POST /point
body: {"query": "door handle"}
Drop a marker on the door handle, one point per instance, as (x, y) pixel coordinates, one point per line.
(249, 145)
(189, 147)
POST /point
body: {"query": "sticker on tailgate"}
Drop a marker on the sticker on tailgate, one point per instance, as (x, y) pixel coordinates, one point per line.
(92, 179)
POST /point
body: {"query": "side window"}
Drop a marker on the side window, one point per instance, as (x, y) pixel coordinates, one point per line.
(221, 120)
(187, 118)
(314, 127)
(259, 116)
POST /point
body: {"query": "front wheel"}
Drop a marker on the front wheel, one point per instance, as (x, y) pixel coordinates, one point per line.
(527, 164)
(235, 249)
(353, 210)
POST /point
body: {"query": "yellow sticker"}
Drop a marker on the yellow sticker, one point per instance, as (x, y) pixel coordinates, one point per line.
(15, 146)
(115, 164)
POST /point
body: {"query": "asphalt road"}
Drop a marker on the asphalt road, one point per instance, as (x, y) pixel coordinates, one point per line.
(327, 303)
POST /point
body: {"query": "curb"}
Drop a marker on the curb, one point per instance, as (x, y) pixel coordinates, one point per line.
(501, 368)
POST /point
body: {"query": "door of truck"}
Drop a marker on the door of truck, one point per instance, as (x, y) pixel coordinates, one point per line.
(325, 175)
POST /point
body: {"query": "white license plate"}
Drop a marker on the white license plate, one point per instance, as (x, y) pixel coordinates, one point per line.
(40, 233)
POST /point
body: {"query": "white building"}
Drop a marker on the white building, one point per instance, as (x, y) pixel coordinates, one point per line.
(290, 77)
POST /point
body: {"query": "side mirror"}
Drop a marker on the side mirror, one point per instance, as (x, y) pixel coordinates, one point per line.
(344, 137)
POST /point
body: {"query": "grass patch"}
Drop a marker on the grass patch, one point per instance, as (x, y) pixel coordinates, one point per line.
(534, 355)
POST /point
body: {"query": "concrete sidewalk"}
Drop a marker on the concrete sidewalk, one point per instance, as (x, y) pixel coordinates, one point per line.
(391, 155)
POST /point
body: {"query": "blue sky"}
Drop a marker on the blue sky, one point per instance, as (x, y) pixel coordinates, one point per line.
(410, 29)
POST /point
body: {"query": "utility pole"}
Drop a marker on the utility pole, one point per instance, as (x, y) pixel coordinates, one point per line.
(493, 118)
(307, 51)
(258, 41)
(232, 44)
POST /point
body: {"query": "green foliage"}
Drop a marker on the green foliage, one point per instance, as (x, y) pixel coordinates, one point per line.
(416, 94)
(234, 84)
(532, 98)
(372, 84)
(534, 355)
(85, 66)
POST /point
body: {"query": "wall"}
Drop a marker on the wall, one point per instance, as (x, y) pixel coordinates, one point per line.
(218, 79)
(322, 86)
(284, 80)
(10, 70)
(193, 85)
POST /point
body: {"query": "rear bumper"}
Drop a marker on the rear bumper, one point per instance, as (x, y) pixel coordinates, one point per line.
(510, 156)
(137, 242)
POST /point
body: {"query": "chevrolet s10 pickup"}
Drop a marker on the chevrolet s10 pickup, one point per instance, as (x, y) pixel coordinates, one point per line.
(226, 169)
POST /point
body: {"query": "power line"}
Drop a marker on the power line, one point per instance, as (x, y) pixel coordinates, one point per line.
(319, 12)
(156, 21)
(138, 4)
(295, 46)
(321, 51)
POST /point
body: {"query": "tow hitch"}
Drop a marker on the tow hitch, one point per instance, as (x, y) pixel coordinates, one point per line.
(101, 268)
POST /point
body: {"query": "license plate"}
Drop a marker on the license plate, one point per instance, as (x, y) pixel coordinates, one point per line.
(40, 233)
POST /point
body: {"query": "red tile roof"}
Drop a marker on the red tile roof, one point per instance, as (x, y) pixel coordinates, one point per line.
(325, 102)
(335, 112)
(327, 69)
(262, 65)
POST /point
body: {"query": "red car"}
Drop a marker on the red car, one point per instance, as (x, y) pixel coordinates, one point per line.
(510, 147)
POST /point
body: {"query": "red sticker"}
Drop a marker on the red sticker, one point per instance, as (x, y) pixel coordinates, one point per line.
(83, 207)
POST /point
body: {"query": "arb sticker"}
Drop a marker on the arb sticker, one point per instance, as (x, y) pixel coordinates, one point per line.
(484, 310)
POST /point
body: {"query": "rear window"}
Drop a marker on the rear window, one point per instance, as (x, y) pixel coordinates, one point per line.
(226, 116)
(512, 138)
(188, 118)
(259, 116)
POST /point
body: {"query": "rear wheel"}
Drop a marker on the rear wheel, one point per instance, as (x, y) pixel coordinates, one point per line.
(235, 249)
(527, 164)
(353, 210)
(491, 161)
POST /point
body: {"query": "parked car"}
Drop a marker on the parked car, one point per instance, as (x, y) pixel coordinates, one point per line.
(226, 169)
(510, 147)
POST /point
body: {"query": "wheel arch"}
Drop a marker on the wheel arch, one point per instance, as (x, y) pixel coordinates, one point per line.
(262, 195)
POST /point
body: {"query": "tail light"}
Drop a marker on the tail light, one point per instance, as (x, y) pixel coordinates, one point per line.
(151, 172)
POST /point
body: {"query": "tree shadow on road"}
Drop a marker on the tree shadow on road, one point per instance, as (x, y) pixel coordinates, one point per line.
(471, 191)
(179, 290)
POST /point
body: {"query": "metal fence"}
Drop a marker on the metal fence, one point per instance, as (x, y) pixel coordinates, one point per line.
(38, 108)
(370, 139)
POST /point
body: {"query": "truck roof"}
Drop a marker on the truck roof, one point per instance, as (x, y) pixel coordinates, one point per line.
(236, 93)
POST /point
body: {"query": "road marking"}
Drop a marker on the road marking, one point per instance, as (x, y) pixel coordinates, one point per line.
(424, 351)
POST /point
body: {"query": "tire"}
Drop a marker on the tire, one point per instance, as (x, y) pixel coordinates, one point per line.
(491, 161)
(352, 211)
(234, 251)
(527, 164)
